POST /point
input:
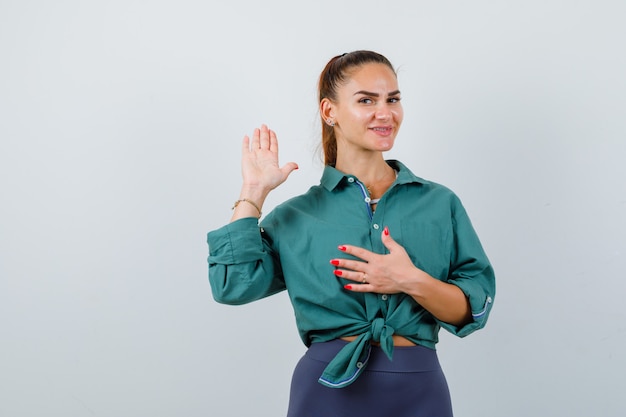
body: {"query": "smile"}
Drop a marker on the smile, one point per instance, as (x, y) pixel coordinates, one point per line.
(382, 130)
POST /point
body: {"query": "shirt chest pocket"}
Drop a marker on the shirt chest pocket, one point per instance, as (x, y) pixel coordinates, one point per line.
(429, 246)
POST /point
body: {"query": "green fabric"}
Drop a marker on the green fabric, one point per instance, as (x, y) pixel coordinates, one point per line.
(294, 244)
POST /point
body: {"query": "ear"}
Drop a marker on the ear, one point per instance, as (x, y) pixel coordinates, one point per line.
(327, 109)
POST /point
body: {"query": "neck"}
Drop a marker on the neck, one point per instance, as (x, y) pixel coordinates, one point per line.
(373, 171)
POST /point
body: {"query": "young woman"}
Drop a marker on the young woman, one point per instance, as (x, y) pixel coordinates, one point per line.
(375, 259)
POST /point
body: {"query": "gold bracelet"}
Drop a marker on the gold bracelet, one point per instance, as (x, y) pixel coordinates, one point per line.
(248, 201)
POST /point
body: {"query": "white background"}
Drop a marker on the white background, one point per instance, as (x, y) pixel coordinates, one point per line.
(120, 130)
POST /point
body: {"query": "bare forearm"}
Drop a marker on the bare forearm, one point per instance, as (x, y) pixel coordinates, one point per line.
(444, 301)
(395, 272)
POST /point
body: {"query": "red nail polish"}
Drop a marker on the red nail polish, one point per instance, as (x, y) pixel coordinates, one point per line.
(348, 287)
(342, 248)
(338, 272)
(386, 231)
(334, 262)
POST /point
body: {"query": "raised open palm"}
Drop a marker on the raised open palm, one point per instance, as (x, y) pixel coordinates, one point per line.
(259, 161)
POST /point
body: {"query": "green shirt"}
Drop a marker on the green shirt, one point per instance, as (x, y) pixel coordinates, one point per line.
(293, 247)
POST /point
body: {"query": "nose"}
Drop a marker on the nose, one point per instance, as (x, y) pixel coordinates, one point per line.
(383, 112)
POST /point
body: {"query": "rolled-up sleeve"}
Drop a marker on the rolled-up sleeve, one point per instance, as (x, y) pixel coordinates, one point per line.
(242, 265)
(471, 271)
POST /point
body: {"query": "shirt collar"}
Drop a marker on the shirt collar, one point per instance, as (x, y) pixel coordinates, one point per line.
(332, 177)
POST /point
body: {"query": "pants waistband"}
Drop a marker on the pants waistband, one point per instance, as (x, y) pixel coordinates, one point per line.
(405, 358)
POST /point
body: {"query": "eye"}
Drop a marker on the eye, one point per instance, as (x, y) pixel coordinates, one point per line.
(394, 99)
(366, 100)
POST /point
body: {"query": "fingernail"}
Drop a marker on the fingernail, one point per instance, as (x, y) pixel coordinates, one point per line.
(386, 231)
(348, 287)
(334, 262)
(342, 248)
(338, 272)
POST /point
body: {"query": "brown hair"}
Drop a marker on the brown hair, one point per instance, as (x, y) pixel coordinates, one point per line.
(336, 73)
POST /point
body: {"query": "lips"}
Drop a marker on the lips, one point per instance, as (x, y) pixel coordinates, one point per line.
(382, 130)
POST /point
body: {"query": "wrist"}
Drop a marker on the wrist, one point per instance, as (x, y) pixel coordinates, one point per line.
(416, 283)
(248, 201)
(255, 193)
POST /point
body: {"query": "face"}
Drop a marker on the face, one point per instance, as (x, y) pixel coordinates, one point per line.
(367, 113)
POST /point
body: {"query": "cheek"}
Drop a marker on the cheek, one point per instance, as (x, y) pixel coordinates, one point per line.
(361, 116)
(399, 115)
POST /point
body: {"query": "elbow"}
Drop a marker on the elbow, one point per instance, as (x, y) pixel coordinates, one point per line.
(221, 287)
(223, 294)
(222, 298)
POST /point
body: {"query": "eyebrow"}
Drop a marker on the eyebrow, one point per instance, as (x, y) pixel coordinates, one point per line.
(369, 93)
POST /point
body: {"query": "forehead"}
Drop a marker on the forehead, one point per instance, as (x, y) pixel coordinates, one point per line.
(374, 77)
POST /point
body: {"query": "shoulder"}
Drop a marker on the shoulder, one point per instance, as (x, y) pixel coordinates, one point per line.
(421, 185)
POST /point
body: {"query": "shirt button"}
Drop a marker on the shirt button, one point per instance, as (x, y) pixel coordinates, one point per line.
(359, 365)
(367, 199)
(350, 179)
(375, 226)
(384, 297)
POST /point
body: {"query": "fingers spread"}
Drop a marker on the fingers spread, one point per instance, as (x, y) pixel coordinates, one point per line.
(356, 276)
(289, 168)
(356, 251)
(386, 238)
(273, 142)
(245, 145)
(264, 137)
(256, 139)
(359, 287)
